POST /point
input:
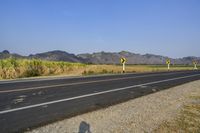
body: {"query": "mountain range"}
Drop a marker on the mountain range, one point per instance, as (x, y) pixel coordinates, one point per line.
(102, 57)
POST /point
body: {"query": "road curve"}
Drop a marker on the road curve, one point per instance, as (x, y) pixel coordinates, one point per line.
(30, 103)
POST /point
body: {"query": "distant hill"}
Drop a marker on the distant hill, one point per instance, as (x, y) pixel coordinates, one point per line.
(132, 58)
(6, 54)
(57, 56)
(102, 57)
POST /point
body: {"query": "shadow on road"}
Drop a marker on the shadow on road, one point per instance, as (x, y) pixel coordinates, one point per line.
(84, 127)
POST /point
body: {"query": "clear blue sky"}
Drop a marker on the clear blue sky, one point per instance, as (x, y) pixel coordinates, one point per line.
(166, 27)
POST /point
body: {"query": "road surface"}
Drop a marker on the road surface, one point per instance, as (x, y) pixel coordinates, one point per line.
(30, 103)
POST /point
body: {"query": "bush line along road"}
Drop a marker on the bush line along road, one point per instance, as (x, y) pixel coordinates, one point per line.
(31, 103)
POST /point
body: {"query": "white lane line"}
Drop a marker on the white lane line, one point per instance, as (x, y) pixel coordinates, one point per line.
(23, 80)
(93, 94)
(79, 83)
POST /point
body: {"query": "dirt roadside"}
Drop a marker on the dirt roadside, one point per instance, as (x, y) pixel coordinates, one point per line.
(144, 114)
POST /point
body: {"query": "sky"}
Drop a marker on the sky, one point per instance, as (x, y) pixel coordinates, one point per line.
(162, 27)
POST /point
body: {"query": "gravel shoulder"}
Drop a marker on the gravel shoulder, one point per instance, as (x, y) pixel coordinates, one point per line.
(143, 114)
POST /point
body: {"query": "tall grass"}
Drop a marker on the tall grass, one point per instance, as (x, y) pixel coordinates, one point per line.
(17, 68)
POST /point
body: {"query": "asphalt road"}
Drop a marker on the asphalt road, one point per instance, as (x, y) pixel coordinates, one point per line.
(30, 103)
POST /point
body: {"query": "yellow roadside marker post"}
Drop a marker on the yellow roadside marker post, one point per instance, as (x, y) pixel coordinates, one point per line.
(123, 61)
(168, 62)
(195, 65)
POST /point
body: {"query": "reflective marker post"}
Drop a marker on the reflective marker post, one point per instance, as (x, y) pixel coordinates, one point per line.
(123, 61)
(168, 67)
(195, 65)
(124, 67)
(168, 63)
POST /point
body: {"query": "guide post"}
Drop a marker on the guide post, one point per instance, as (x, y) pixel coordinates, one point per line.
(123, 61)
(195, 65)
(168, 63)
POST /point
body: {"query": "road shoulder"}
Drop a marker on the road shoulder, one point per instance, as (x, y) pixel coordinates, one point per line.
(144, 114)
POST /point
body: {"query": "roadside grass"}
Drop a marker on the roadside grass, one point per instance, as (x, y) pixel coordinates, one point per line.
(102, 69)
(188, 120)
(12, 68)
(17, 68)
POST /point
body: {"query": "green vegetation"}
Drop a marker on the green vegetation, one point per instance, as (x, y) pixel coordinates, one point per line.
(12, 68)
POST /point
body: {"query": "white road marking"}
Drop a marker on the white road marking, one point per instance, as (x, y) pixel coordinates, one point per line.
(23, 80)
(143, 86)
(18, 100)
(93, 94)
(87, 82)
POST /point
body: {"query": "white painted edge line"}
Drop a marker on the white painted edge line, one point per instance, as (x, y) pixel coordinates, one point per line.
(92, 94)
(23, 80)
(86, 82)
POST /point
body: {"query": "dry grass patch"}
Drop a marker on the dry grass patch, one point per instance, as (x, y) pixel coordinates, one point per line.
(17, 68)
(102, 69)
(188, 121)
(12, 68)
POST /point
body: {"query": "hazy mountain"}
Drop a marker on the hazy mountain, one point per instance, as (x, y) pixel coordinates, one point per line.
(6, 54)
(102, 57)
(132, 58)
(57, 56)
